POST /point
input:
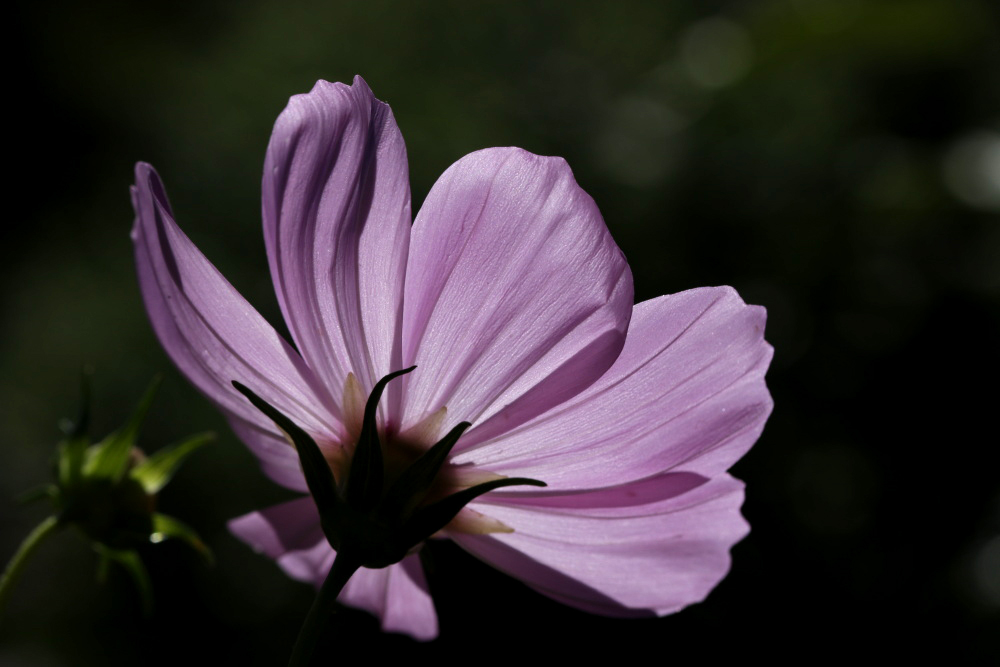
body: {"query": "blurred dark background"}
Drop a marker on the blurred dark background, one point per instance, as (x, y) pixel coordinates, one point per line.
(837, 161)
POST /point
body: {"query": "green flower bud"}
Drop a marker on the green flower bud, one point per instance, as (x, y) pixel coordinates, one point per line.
(108, 492)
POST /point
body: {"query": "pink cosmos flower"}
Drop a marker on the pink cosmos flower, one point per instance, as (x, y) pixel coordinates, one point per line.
(516, 306)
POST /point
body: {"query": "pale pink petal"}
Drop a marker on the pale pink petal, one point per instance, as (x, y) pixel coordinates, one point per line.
(629, 498)
(290, 533)
(209, 331)
(278, 459)
(619, 560)
(398, 595)
(516, 296)
(687, 393)
(336, 209)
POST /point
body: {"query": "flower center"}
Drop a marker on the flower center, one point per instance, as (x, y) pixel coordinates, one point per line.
(376, 518)
(402, 449)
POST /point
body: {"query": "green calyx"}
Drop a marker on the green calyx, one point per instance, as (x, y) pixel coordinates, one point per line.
(368, 519)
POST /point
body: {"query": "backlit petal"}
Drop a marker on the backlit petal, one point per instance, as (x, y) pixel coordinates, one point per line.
(516, 297)
(687, 393)
(278, 458)
(397, 594)
(336, 208)
(620, 560)
(290, 533)
(209, 331)
(282, 529)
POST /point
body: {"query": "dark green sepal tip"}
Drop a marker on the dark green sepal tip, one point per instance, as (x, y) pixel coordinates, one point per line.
(72, 450)
(319, 476)
(413, 484)
(367, 475)
(78, 428)
(430, 519)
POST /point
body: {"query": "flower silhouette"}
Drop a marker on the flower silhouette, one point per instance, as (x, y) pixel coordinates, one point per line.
(516, 307)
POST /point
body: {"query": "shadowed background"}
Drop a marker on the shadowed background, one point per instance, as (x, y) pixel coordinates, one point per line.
(836, 161)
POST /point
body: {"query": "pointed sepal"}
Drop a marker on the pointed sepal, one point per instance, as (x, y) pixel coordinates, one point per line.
(50, 491)
(109, 459)
(129, 559)
(430, 519)
(78, 428)
(72, 450)
(72, 454)
(367, 475)
(319, 477)
(156, 470)
(167, 527)
(411, 488)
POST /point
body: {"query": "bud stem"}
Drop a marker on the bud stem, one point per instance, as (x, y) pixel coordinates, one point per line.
(323, 607)
(28, 546)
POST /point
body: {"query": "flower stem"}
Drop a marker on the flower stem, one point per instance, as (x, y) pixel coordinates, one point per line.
(28, 546)
(322, 609)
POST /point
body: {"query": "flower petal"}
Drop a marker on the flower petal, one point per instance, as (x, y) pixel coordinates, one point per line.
(398, 595)
(291, 534)
(285, 529)
(516, 296)
(619, 560)
(336, 209)
(209, 331)
(643, 492)
(687, 393)
(278, 459)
